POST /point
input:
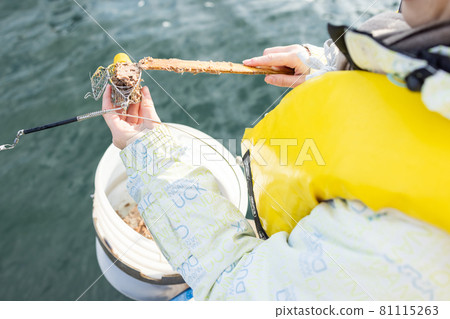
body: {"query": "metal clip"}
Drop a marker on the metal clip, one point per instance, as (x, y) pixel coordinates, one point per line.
(11, 146)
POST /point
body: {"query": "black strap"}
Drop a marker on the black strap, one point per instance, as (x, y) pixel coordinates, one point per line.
(248, 174)
(337, 33)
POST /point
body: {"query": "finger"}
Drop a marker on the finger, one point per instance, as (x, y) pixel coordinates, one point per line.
(111, 119)
(122, 111)
(121, 116)
(106, 101)
(285, 80)
(281, 49)
(140, 120)
(133, 109)
(267, 51)
(284, 69)
(274, 59)
(148, 109)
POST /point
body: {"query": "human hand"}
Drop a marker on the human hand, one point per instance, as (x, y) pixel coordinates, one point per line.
(286, 56)
(124, 128)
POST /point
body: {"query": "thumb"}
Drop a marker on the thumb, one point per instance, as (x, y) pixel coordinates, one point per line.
(148, 109)
(284, 80)
(287, 59)
(111, 119)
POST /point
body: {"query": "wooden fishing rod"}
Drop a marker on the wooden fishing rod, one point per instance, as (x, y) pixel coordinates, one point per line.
(181, 66)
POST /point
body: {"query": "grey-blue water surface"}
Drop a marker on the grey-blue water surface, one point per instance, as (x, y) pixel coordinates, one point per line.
(49, 47)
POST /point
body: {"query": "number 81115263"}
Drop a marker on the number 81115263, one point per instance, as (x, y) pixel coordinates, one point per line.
(410, 310)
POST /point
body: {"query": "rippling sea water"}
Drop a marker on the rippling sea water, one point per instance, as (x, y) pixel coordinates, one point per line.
(49, 47)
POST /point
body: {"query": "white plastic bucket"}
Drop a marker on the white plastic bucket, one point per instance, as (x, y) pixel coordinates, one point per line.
(132, 263)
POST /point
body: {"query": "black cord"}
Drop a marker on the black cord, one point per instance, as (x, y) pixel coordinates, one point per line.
(51, 125)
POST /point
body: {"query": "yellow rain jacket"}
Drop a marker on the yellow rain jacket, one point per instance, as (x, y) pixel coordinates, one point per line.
(354, 135)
